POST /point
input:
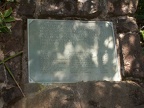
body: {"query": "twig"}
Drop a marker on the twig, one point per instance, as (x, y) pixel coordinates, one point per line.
(14, 79)
(6, 79)
(142, 27)
(5, 60)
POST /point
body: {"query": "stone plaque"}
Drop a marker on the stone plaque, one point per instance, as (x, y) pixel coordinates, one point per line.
(68, 51)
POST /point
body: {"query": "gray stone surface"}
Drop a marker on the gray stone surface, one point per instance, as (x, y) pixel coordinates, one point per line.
(71, 51)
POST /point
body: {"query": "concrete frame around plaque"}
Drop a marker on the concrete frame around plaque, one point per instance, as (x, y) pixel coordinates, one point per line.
(68, 51)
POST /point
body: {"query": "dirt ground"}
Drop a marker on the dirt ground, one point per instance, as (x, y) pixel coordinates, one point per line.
(11, 44)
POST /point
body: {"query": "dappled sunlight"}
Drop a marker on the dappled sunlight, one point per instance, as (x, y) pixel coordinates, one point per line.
(88, 25)
(132, 40)
(100, 88)
(71, 51)
(109, 42)
(68, 51)
(93, 51)
(79, 49)
(30, 62)
(107, 78)
(60, 57)
(60, 75)
(105, 58)
(82, 1)
(107, 24)
(117, 77)
(121, 35)
(53, 94)
(125, 8)
(117, 86)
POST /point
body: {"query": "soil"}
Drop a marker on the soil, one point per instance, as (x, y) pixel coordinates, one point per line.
(11, 44)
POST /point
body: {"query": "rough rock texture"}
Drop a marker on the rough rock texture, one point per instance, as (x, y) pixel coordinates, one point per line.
(126, 24)
(131, 56)
(77, 8)
(84, 95)
(88, 94)
(121, 7)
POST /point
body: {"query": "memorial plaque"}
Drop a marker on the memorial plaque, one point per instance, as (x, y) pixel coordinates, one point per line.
(68, 51)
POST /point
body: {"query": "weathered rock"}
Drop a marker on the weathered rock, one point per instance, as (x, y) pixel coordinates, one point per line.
(85, 95)
(11, 95)
(90, 8)
(126, 24)
(121, 7)
(58, 7)
(74, 8)
(132, 54)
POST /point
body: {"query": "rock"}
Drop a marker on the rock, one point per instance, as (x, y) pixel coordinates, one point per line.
(121, 7)
(132, 54)
(73, 8)
(126, 24)
(85, 95)
(11, 95)
(90, 8)
(60, 8)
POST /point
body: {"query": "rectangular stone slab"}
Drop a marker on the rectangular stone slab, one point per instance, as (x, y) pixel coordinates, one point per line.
(68, 51)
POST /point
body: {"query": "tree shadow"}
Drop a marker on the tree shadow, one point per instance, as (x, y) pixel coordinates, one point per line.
(71, 51)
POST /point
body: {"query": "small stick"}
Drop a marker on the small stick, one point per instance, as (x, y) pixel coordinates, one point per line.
(5, 60)
(14, 79)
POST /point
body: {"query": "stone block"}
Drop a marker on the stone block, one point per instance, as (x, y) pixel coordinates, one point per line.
(126, 24)
(90, 8)
(131, 52)
(57, 8)
(61, 8)
(76, 8)
(85, 95)
(121, 7)
(71, 8)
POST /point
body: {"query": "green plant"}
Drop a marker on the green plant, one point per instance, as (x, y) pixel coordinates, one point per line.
(142, 34)
(5, 20)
